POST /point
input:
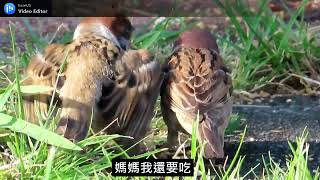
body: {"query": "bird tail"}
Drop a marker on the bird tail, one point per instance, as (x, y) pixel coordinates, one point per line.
(212, 128)
(214, 141)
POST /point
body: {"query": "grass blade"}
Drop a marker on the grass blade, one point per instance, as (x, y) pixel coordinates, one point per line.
(234, 160)
(36, 132)
(5, 96)
(35, 89)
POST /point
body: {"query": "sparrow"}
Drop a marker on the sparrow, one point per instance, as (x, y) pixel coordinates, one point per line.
(197, 84)
(102, 80)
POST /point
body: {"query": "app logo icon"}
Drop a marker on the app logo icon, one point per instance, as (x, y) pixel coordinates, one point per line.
(9, 8)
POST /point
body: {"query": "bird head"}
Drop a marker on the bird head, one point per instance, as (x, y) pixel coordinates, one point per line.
(197, 38)
(117, 29)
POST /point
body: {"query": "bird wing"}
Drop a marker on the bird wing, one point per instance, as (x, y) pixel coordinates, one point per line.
(90, 63)
(43, 70)
(131, 97)
(196, 80)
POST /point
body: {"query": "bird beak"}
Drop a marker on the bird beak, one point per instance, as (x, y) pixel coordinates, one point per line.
(124, 43)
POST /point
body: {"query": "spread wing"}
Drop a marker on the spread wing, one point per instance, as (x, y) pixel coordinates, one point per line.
(43, 70)
(89, 61)
(127, 103)
(118, 87)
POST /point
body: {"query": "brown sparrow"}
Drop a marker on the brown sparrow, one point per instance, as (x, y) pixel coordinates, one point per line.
(196, 81)
(120, 87)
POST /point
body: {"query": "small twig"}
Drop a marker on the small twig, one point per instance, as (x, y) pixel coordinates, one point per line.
(258, 87)
(313, 30)
(306, 79)
(251, 106)
(288, 88)
(56, 32)
(214, 169)
(14, 164)
(6, 77)
(115, 120)
(9, 166)
(284, 80)
(180, 149)
(262, 85)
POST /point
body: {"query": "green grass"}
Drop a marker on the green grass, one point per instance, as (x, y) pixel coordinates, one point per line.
(260, 46)
(268, 50)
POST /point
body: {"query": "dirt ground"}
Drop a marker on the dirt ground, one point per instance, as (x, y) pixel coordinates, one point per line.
(271, 122)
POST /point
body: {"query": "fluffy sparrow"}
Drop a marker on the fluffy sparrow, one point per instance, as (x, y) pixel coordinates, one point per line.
(102, 76)
(197, 82)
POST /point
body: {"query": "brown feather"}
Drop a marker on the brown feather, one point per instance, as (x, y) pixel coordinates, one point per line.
(197, 81)
(131, 97)
(42, 70)
(99, 76)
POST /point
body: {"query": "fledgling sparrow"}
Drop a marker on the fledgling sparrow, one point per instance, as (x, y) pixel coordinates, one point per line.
(196, 81)
(102, 76)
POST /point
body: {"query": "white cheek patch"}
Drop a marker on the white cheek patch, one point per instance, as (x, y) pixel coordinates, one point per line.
(77, 33)
(40, 57)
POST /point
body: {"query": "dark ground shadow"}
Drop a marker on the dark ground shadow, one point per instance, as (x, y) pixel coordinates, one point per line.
(279, 152)
(273, 122)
